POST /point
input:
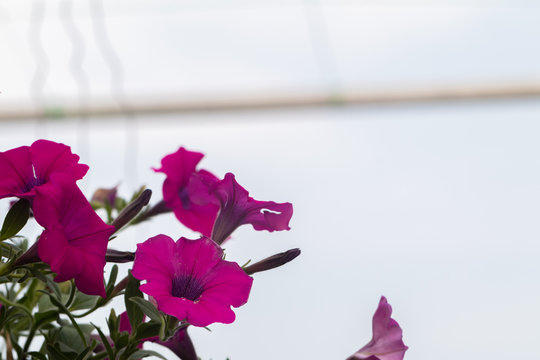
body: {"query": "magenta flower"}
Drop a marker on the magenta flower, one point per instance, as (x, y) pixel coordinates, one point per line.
(387, 342)
(25, 168)
(75, 238)
(238, 208)
(185, 190)
(190, 280)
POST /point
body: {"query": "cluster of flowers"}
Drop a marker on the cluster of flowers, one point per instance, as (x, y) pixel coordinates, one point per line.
(187, 281)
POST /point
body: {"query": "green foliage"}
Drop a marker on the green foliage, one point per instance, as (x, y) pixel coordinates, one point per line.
(16, 219)
(37, 311)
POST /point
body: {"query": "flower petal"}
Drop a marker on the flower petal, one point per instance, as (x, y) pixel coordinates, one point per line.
(51, 159)
(75, 239)
(153, 259)
(186, 190)
(238, 208)
(202, 287)
(15, 171)
(387, 343)
(227, 283)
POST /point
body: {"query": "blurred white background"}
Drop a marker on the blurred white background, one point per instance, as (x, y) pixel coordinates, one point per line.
(434, 204)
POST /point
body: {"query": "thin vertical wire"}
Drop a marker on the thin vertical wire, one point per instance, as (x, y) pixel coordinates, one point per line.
(117, 89)
(78, 51)
(41, 71)
(322, 48)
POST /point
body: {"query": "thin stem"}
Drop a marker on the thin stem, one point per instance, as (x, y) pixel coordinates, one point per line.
(116, 291)
(29, 339)
(9, 346)
(159, 208)
(5, 301)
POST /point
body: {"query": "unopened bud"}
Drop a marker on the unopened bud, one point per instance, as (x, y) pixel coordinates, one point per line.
(116, 256)
(272, 262)
(30, 256)
(132, 209)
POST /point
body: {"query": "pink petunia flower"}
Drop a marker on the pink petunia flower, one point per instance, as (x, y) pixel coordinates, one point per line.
(190, 280)
(238, 208)
(75, 238)
(185, 190)
(387, 342)
(25, 168)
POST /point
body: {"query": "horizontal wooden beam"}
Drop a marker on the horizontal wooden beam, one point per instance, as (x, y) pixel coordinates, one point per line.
(172, 104)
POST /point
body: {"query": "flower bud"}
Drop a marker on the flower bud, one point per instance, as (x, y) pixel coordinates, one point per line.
(132, 209)
(272, 262)
(116, 256)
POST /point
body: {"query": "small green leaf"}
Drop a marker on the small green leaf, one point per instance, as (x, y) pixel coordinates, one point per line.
(122, 340)
(113, 323)
(135, 314)
(112, 280)
(148, 308)
(55, 353)
(82, 354)
(148, 329)
(144, 353)
(47, 280)
(37, 355)
(83, 301)
(15, 219)
(45, 317)
(105, 342)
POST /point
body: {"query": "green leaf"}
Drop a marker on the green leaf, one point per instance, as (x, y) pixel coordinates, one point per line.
(144, 353)
(85, 352)
(69, 340)
(112, 280)
(83, 301)
(113, 323)
(45, 317)
(55, 353)
(135, 314)
(15, 219)
(148, 308)
(47, 280)
(148, 329)
(122, 340)
(37, 355)
(105, 342)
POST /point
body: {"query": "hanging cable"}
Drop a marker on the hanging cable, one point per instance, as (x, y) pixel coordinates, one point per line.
(322, 49)
(117, 89)
(78, 52)
(41, 72)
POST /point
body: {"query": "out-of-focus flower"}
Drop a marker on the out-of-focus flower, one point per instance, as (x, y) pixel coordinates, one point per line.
(190, 280)
(238, 208)
(104, 196)
(387, 342)
(26, 168)
(123, 322)
(75, 238)
(180, 344)
(185, 190)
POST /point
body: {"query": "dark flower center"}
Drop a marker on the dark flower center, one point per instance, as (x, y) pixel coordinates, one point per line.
(186, 286)
(33, 182)
(184, 198)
